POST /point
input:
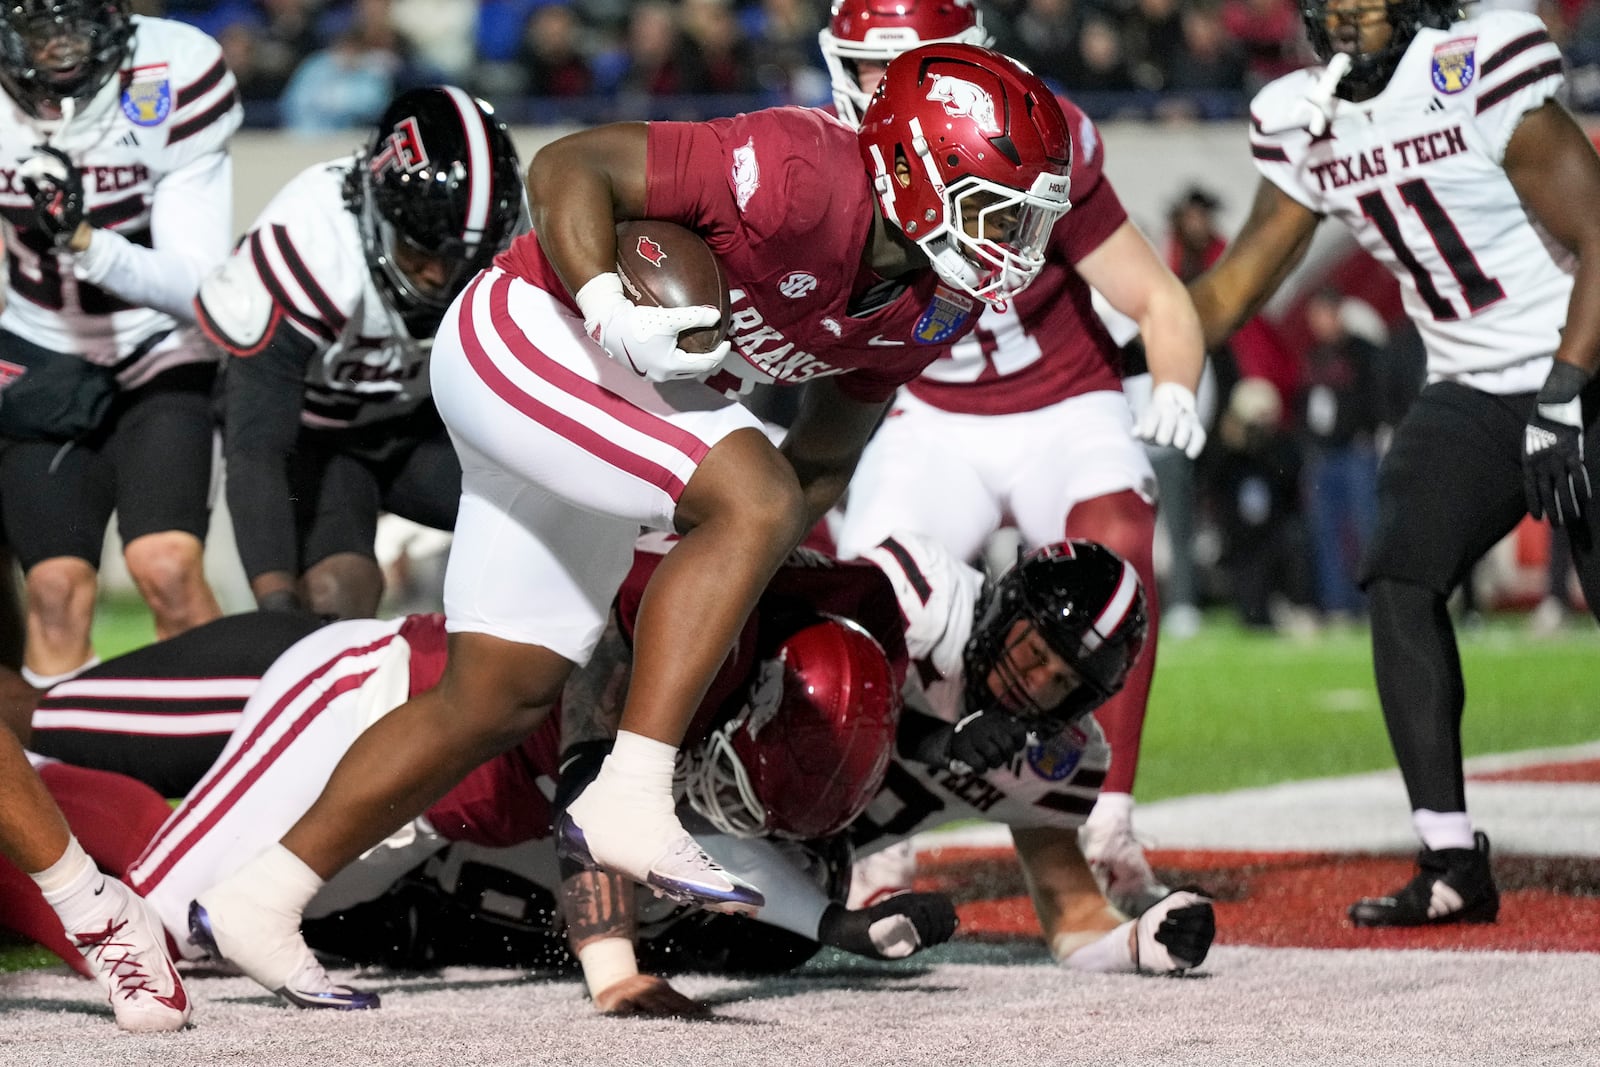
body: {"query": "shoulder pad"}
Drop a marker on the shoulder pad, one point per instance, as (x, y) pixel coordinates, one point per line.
(235, 309)
(937, 594)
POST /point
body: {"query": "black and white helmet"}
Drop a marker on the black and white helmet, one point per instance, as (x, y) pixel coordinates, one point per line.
(52, 50)
(1370, 71)
(1088, 605)
(442, 178)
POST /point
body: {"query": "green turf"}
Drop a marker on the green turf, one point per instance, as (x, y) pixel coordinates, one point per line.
(1231, 708)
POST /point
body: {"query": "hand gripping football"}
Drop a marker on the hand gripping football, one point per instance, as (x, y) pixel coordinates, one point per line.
(663, 264)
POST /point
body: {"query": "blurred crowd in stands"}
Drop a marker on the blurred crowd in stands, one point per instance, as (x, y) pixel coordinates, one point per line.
(314, 65)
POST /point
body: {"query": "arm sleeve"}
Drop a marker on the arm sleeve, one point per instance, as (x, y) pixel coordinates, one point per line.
(191, 218)
(794, 902)
(261, 422)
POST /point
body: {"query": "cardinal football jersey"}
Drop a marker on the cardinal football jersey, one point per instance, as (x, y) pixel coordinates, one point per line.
(781, 197)
(1416, 172)
(302, 267)
(173, 103)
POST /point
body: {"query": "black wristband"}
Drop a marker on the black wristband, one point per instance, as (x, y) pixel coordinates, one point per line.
(1566, 381)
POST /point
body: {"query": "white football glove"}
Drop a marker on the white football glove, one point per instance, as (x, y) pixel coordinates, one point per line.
(1314, 111)
(645, 339)
(1172, 419)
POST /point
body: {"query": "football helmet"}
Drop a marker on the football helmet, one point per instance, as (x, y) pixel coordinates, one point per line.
(57, 50)
(810, 747)
(970, 157)
(441, 178)
(1087, 604)
(1370, 71)
(879, 30)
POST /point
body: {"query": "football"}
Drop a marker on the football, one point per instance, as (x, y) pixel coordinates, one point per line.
(663, 264)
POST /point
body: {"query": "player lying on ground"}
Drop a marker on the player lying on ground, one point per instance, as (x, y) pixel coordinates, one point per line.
(997, 725)
(305, 712)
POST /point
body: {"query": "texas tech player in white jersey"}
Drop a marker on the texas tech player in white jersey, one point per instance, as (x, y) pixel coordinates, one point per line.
(1053, 784)
(1416, 172)
(302, 267)
(164, 119)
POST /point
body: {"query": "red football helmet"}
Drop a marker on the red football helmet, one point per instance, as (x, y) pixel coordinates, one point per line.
(879, 30)
(810, 747)
(971, 158)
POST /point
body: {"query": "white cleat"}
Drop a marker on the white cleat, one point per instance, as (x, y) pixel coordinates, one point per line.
(126, 946)
(680, 870)
(279, 960)
(1117, 861)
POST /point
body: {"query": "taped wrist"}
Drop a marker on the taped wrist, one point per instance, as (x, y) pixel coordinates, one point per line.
(1109, 953)
(599, 296)
(606, 962)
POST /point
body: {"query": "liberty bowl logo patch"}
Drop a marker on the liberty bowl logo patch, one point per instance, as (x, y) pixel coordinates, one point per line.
(1455, 64)
(944, 317)
(147, 95)
(1058, 757)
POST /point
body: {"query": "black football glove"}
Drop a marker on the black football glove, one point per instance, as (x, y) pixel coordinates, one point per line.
(1554, 479)
(1175, 933)
(55, 185)
(986, 740)
(891, 929)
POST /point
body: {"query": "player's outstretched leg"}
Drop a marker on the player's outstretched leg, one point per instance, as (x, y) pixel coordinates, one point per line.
(624, 821)
(1452, 885)
(236, 920)
(124, 942)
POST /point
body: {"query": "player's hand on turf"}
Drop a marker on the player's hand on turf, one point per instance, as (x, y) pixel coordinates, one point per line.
(645, 994)
(1172, 419)
(1175, 933)
(1554, 478)
(645, 339)
(891, 929)
(55, 185)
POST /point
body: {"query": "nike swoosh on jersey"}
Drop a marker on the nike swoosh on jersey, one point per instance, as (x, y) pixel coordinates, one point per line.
(880, 341)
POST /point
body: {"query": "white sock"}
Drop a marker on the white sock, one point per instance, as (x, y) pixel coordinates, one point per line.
(279, 880)
(1111, 809)
(638, 772)
(69, 886)
(1443, 829)
(1111, 953)
(45, 681)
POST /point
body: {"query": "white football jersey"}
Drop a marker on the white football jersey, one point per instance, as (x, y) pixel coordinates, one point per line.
(302, 264)
(1416, 172)
(152, 149)
(1054, 784)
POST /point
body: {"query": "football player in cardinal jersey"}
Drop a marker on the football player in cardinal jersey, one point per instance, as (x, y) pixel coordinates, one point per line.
(117, 200)
(1025, 420)
(1003, 733)
(327, 311)
(1440, 142)
(853, 260)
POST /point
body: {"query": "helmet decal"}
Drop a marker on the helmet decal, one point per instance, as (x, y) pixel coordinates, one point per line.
(402, 149)
(962, 99)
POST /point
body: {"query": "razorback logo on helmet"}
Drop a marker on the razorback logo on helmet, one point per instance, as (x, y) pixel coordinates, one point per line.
(651, 251)
(963, 99)
(402, 149)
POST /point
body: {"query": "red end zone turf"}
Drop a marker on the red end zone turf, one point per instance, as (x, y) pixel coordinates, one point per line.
(1298, 900)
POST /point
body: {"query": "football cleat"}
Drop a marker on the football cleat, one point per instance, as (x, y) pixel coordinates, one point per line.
(681, 872)
(1452, 885)
(1117, 861)
(126, 948)
(306, 985)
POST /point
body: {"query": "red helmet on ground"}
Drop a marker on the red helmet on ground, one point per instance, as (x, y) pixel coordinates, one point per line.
(971, 158)
(879, 30)
(809, 749)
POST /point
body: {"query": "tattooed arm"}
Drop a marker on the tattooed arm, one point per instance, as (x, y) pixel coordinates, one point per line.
(591, 703)
(599, 908)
